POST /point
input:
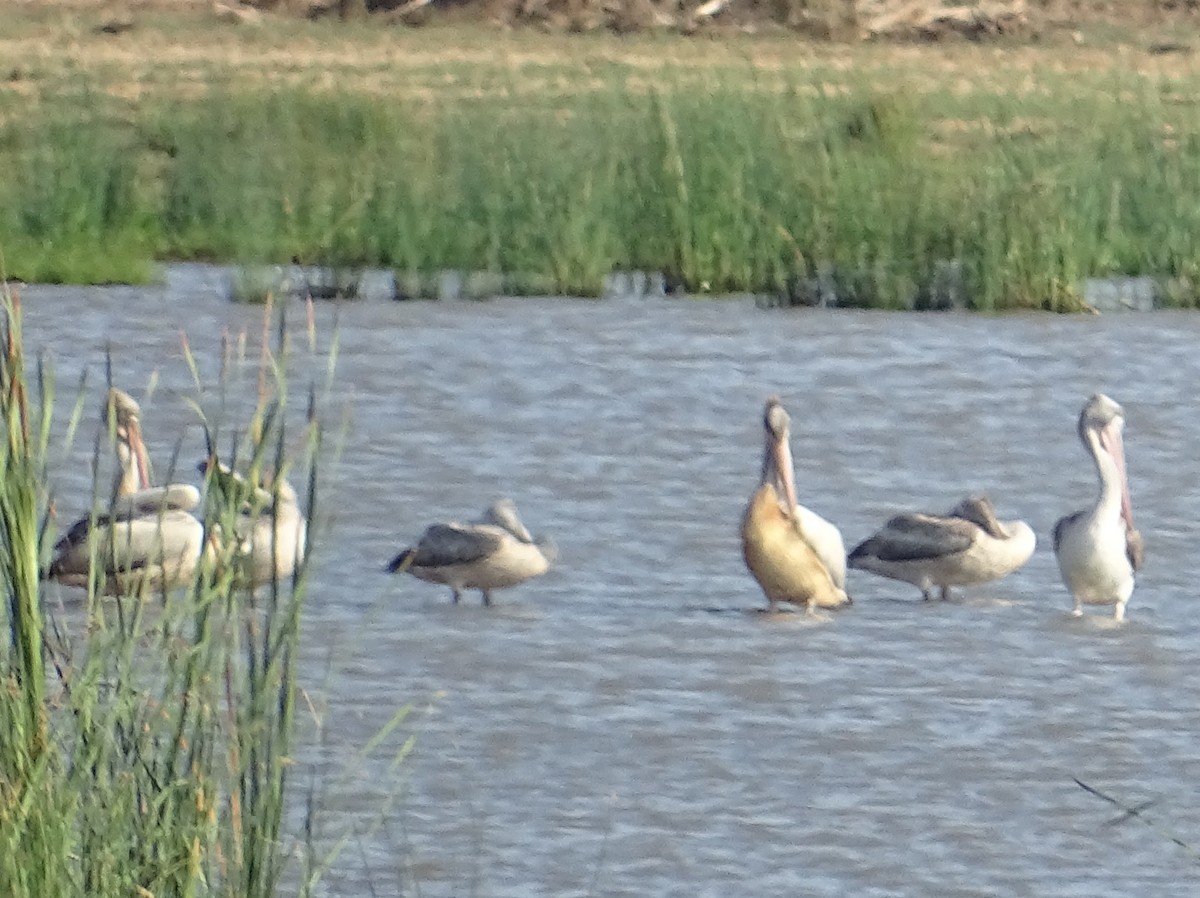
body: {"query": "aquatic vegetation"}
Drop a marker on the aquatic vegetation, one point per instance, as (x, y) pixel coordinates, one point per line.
(874, 187)
(145, 742)
(258, 284)
(331, 283)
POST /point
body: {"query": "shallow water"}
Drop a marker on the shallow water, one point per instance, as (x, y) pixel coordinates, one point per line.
(627, 725)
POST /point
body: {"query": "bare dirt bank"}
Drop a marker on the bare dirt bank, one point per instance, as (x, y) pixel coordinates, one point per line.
(1168, 25)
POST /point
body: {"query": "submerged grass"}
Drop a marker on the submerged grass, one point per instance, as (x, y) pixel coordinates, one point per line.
(743, 175)
(145, 741)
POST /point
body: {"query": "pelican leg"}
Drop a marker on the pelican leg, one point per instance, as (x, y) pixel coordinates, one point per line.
(1077, 611)
(487, 598)
(457, 594)
(1119, 612)
(945, 593)
(927, 593)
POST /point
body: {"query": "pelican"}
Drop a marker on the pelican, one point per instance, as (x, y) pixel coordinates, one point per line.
(125, 417)
(966, 546)
(148, 540)
(795, 555)
(269, 526)
(1098, 548)
(493, 552)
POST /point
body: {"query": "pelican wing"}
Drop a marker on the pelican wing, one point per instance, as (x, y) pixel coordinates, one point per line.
(447, 544)
(917, 537)
(127, 545)
(1063, 525)
(78, 534)
(1135, 549)
(826, 541)
(144, 541)
(146, 504)
(150, 502)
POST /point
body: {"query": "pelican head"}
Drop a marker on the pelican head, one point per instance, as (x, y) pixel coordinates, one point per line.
(123, 415)
(980, 511)
(503, 513)
(1098, 413)
(1101, 426)
(777, 455)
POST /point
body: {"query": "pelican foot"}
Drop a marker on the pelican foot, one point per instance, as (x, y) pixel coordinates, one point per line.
(1076, 611)
(945, 593)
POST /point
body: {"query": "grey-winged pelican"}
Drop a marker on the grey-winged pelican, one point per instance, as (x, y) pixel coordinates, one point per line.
(966, 546)
(493, 552)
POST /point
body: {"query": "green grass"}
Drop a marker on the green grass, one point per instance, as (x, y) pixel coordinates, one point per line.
(145, 741)
(728, 179)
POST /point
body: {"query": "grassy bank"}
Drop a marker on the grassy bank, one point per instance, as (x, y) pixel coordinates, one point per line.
(740, 166)
(145, 741)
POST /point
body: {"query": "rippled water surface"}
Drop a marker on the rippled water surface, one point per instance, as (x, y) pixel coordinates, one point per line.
(625, 725)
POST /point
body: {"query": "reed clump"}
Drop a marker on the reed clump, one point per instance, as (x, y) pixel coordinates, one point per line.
(729, 181)
(145, 741)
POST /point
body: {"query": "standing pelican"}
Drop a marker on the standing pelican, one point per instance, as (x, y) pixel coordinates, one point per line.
(124, 415)
(966, 546)
(1098, 548)
(795, 555)
(493, 552)
(269, 526)
(148, 540)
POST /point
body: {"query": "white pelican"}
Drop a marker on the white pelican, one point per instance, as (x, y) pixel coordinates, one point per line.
(795, 555)
(125, 414)
(1098, 548)
(148, 540)
(966, 546)
(493, 552)
(269, 526)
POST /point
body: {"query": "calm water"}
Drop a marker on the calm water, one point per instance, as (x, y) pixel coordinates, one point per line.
(623, 727)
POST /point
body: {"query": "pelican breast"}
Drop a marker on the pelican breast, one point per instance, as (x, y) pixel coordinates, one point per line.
(785, 563)
(1097, 556)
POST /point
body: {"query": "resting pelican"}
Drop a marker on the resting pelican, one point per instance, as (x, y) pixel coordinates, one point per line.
(493, 552)
(1099, 549)
(966, 546)
(270, 527)
(148, 540)
(795, 555)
